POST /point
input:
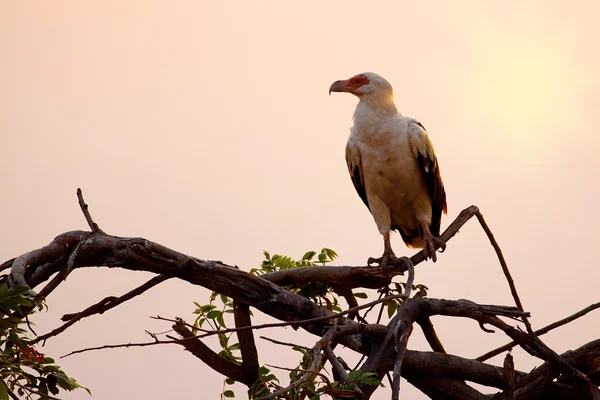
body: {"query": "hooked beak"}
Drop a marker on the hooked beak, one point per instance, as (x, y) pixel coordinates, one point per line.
(339, 86)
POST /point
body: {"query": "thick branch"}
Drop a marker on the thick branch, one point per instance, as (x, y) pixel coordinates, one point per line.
(250, 363)
(210, 358)
(430, 334)
(444, 388)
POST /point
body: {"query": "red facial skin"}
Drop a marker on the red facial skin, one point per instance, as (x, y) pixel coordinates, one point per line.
(350, 85)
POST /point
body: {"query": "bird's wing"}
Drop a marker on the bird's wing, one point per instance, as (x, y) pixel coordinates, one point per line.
(355, 169)
(422, 149)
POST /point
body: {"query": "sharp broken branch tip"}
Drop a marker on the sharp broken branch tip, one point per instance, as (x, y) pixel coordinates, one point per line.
(86, 213)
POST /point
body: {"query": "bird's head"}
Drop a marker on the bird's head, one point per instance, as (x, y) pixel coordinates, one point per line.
(365, 84)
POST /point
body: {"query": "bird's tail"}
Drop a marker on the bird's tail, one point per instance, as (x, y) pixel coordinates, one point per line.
(414, 239)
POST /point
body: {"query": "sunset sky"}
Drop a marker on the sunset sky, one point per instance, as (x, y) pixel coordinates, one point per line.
(206, 127)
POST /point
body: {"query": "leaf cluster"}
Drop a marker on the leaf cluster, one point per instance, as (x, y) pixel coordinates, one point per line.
(212, 315)
(317, 292)
(24, 370)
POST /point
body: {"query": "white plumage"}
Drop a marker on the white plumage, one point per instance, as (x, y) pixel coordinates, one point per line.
(393, 167)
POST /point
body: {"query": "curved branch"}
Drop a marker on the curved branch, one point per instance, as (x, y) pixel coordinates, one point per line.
(210, 358)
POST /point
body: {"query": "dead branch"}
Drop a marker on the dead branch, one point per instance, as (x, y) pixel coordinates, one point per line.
(86, 212)
(210, 358)
(438, 374)
(400, 352)
(101, 307)
(284, 343)
(430, 334)
(509, 371)
(250, 365)
(511, 282)
(540, 332)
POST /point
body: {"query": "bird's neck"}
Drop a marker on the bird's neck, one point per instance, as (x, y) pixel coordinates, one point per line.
(373, 108)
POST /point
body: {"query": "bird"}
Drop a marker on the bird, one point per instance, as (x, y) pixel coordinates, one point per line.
(394, 168)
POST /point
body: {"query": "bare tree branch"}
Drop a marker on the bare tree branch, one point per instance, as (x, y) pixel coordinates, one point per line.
(540, 332)
(430, 334)
(437, 374)
(210, 358)
(250, 363)
(86, 213)
(511, 282)
(101, 307)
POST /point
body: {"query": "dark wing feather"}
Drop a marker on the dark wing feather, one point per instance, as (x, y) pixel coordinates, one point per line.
(355, 169)
(423, 151)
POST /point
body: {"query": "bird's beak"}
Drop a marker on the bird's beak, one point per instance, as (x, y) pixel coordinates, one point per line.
(338, 86)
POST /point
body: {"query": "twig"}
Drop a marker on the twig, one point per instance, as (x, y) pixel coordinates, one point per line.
(326, 340)
(511, 283)
(534, 346)
(540, 332)
(30, 390)
(284, 343)
(86, 213)
(125, 345)
(291, 323)
(102, 306)
(325, 378)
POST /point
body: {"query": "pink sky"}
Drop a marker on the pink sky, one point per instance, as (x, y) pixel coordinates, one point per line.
(206, 126)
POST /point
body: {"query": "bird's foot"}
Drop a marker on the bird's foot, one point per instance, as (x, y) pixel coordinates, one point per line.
(431, 244)
(387, 259)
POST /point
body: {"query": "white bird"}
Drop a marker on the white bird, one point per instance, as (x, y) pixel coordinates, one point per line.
(393, 168)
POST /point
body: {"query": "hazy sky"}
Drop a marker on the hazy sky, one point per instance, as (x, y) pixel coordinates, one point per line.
(206, 126)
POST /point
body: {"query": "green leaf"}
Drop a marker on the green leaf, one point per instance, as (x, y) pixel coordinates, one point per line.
(267, 255)
(309, 255)
(264, 370)
(224, 298)
(361, 295)
(206, 308)
(220, 320)
(330, 253)
(229, 393)
(229, 381)
(392, 307)
(214, 314)
(223, 339)
(3, 392)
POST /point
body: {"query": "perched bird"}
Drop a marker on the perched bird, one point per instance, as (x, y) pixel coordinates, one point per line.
(393, 168)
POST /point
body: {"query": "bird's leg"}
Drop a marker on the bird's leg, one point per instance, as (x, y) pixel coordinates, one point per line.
(431, 243)
(388, 257)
